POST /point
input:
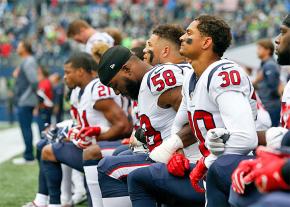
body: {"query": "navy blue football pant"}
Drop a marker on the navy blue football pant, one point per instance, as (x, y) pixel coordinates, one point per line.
(218, 179)
(42, 186)
(113, 172)
(67, 153)
(120, 149)
(154, 184)
(251, 196)
(275, 199)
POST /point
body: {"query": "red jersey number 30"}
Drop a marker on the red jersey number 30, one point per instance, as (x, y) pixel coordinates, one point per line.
(230, 78)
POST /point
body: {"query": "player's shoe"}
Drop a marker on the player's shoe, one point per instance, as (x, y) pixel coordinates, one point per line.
(22, 161)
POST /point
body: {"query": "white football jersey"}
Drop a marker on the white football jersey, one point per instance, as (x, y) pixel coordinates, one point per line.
(192, 152)
(157, 121)
(74, 104)
(98, 37)
(220, 77)
(74, 97)
(135, 114)
(285, 107)
(263, 121)
(87, 98)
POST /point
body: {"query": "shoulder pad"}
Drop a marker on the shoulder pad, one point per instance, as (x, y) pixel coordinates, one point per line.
(163, 77)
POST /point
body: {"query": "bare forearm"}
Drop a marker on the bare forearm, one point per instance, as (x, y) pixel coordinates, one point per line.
(116, 132)
(186, 136)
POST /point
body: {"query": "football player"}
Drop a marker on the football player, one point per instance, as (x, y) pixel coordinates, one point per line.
(99, 111)
(218, 98)
(245, 195)
(158, 92)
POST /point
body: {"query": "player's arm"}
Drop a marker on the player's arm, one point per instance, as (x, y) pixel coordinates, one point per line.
(181, 126)
(236, 114)
(170, 98)
(230, 90)
(121, 127)
(181, 137)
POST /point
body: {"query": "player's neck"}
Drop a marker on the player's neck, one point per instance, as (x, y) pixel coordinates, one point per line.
(175, 60)
(201, 64)
(140, 73)
(86, 81)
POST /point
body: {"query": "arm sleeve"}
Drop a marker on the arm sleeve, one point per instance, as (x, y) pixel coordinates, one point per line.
(237, 116)
(181, 117)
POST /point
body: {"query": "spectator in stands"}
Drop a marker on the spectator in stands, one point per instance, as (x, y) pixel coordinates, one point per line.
(268, 80)
(45, 95)
(25, 97)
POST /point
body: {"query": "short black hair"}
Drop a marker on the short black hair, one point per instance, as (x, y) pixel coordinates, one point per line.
(82, 60)
(170, 32)
(218, 30)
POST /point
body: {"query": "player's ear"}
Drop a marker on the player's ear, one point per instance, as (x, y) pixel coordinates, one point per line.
(81, 71)
(165, 51)
(207, 42)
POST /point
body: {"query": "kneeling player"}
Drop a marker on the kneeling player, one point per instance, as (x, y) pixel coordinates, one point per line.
(219, 96)
(100, 115)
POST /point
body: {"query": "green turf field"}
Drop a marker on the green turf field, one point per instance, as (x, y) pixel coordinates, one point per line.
(18, 184)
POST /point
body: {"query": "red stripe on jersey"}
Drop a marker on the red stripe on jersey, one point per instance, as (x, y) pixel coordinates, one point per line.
(153, 137)
(208, 123)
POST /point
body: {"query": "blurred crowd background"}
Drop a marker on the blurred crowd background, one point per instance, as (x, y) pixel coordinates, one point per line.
(44, 23)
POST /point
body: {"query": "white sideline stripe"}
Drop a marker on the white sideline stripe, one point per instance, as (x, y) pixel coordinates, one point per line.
(12, 143)
(125, 171)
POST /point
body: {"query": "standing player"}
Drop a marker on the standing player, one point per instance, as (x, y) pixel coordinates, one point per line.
(219, 96)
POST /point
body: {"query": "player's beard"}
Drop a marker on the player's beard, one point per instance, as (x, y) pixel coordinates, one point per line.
(151, 56)
(132, 88)
(284, 57)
